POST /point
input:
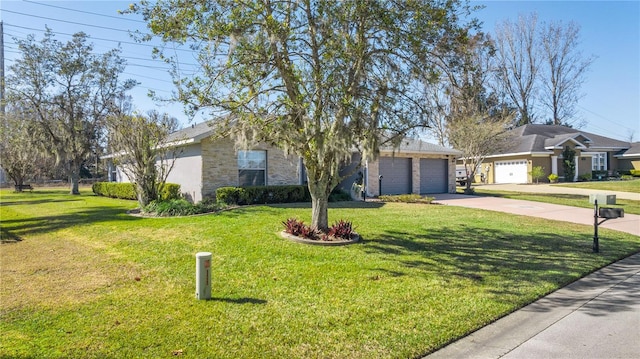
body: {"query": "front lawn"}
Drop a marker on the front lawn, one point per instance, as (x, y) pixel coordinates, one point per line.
(632, 186)
(81, 278)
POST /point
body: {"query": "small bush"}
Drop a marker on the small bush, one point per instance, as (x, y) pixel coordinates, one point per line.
(586, 177)
(115, 190)
(182, 207)
(341, 229)
(407, 198)
(128, 190)
(599, 175)
(553, 177)
(272, 194)
(263, 194)
(173, 207)
(339, 195)
(635, 173)
(170, 191)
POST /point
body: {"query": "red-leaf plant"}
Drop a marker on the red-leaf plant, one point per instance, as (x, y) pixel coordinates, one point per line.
(339, 230)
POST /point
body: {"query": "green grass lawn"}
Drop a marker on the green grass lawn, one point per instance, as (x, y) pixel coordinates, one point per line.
(632, 186)
(574, 200)
(81, 278)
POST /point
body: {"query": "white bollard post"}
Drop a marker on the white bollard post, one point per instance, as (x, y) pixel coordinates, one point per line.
(203, 275)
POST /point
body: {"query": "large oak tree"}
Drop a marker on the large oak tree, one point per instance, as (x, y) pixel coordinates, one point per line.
(67, 90)
(318, 78)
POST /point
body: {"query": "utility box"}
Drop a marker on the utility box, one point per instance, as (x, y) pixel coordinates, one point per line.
(203, 275)
(602, 198)
(610, 213)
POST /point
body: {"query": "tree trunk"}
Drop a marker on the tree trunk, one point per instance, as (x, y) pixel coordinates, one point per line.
(143, 196)
(319, 205)
(320, 212)
(74, 178)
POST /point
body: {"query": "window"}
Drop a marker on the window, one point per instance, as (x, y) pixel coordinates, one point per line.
(599, 161)
(252, 168)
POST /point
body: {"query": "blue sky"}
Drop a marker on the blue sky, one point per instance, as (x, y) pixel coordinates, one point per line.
(610, 30)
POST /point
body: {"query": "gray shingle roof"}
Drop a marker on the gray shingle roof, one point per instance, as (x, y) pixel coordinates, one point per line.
(193, 132)
(196, 132)
(536, 138)
(633, 151)
(411, 145)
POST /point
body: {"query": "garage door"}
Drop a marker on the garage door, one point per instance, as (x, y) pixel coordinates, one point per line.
(511, 171)
(433, 175)
(396, 175)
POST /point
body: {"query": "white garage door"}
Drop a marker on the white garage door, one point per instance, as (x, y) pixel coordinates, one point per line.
(511, 171)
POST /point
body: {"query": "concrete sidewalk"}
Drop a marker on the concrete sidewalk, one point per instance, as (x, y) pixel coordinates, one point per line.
(597, 316)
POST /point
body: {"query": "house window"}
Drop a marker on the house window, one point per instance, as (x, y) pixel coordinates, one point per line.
(599, 161)
(252, 168)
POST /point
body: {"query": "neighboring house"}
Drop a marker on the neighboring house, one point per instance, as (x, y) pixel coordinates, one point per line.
(630, 158)
(542, 145)
(205, 162)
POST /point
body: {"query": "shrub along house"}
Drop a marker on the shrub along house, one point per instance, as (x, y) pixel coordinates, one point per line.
(542, 145)
(206, 162)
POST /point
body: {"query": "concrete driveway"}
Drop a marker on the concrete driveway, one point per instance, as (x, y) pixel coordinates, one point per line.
(630, 223)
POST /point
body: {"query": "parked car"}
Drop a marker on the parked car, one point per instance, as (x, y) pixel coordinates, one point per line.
(461, 176)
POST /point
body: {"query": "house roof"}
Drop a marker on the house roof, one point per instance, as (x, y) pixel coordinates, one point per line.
(544, 138)
(196, 132)
(633, 151)
(412, 145)
(193, 133)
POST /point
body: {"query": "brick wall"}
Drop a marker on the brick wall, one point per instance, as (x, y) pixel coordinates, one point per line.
(220, 165)
(281, 170)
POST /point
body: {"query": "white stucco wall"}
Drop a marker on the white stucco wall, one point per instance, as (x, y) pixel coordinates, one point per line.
(187, 172)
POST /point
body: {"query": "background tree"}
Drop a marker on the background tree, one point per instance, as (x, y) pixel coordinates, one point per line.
(517, 64)
(318, 78)
(564, 71)
(68, 91)
(476, 116)
(139, 143)
(18, 152)
(541, 63)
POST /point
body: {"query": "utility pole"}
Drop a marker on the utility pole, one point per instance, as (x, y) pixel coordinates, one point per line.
(2, 101)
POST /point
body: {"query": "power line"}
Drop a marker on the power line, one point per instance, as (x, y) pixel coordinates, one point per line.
(96, 38)
(606, 119)
(84, 12)
(66, 21)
